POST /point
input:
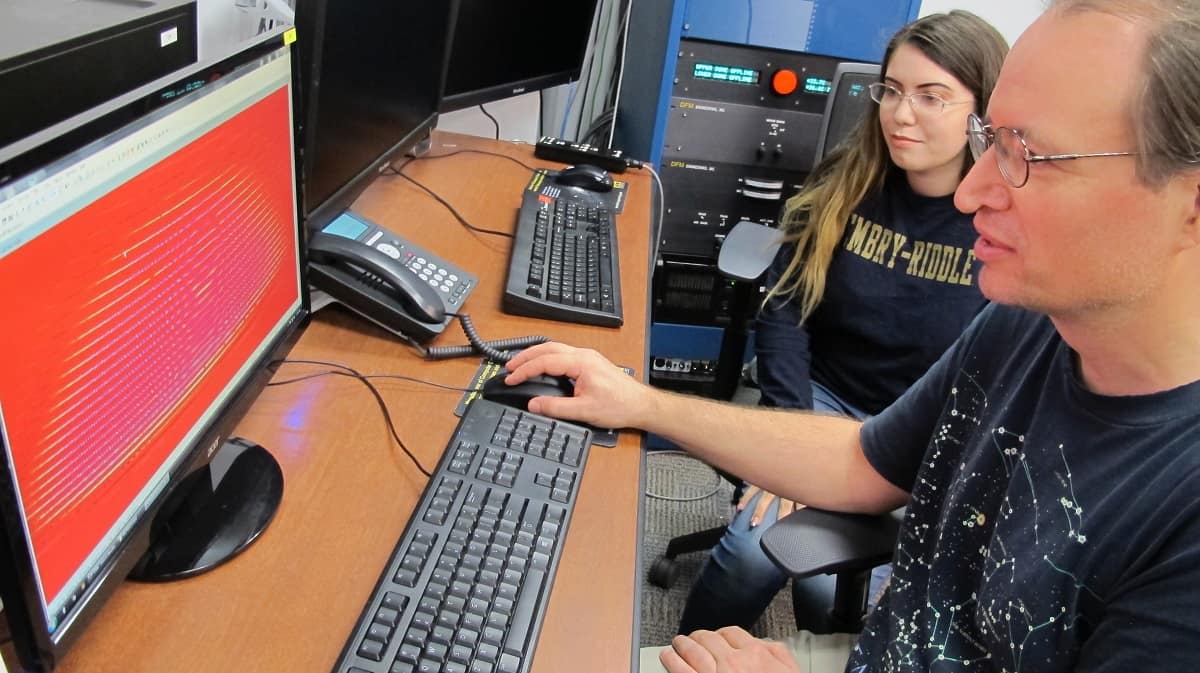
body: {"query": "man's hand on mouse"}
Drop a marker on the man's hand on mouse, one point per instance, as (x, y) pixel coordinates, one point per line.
(605, 396)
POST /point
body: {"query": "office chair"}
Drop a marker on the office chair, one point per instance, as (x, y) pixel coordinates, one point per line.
(745, 254)
(808, 542)
(811, 542)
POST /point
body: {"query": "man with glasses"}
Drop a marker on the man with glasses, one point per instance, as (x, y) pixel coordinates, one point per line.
(1012, 152)
(1050, 460)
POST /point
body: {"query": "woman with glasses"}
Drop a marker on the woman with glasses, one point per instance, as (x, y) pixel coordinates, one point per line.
(875, 279)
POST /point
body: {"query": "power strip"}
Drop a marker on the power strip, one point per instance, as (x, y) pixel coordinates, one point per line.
(557, 149)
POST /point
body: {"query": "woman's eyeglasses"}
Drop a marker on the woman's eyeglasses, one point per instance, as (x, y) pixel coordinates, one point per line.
(922, 102)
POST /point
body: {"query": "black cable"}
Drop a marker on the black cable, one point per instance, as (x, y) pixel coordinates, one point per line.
(449, 207)
(590, 70)
(489, 116)
(613, 97)
(603, 120)
(495, 154)
(355, 374)
(400, 377)
(619, 54)
(587, 134)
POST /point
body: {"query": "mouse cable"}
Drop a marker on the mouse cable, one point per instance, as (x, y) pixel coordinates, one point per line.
(398, 377)
(457, 215)
(343, 370)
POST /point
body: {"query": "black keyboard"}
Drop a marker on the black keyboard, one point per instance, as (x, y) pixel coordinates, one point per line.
(466, 587)
(564, 258)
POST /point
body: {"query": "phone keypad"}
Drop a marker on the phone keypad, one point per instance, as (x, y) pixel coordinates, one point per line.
(445, 281)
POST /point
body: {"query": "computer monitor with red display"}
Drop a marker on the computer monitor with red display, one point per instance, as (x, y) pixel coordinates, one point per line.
(148, 277)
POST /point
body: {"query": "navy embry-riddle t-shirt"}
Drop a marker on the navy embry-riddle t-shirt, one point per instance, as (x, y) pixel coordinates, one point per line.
(1050, 528)
(900, 289)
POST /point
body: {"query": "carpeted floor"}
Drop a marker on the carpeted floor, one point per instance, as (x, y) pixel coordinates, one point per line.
(680, 476)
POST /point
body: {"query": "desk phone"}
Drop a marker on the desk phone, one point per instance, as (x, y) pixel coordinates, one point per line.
(386, 279)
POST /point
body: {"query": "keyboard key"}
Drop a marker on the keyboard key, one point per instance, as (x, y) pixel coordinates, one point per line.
(409, 653)
(371, 649)
(522, 618)
(508, 664)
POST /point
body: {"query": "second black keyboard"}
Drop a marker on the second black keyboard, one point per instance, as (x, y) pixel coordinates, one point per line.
(564, 263)
(465, 589)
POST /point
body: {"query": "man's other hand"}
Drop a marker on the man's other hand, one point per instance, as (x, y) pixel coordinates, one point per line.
(727, 650)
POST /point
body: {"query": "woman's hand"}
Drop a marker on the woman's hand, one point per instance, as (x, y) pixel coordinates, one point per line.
(765, 499)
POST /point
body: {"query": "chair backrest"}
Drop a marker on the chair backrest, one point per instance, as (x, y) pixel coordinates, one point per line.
(748, 250)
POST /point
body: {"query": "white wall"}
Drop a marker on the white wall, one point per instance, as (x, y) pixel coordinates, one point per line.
(1010, 17)
(223, 25)
(517, 116)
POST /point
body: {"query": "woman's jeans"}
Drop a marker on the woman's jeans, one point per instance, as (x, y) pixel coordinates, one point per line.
(738, 581)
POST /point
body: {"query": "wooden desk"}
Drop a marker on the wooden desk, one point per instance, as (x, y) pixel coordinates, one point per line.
(289, 602)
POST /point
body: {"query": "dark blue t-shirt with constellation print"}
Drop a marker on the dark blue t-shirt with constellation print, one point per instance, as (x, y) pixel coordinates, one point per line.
(1049, 528)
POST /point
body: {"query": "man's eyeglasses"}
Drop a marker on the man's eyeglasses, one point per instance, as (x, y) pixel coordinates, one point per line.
(922, 102)
(1012, 154)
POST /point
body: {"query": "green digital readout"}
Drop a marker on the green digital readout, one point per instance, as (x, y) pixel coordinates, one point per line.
(817, 85)
(725, 73)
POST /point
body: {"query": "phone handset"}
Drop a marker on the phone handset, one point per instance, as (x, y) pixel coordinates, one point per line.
(420, 300)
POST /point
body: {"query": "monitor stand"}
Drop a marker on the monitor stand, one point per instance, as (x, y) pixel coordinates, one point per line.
(213, 514)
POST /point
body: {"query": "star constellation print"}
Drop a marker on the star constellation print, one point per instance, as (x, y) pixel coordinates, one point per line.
(981, 579)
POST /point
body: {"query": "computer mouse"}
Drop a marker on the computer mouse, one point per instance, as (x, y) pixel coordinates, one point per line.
(589, 177)
(518, 396)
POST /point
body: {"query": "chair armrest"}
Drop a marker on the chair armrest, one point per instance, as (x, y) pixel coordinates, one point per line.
(811, 541)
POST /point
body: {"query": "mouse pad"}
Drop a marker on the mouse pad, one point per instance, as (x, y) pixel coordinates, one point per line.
(488, 369)
(613, 200)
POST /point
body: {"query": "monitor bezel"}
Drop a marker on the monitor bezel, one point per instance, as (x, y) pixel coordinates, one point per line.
(37, 649)
(488, 94)
(466, 99)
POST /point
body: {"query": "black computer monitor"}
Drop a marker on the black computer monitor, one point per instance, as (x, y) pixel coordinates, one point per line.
(370, 76)
(502, 49)
(847, 103)
(149, 278)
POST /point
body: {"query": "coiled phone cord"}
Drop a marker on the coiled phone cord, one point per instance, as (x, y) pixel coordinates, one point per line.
(498, 350)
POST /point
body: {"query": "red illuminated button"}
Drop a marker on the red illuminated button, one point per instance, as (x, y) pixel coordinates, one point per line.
(784, 82)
